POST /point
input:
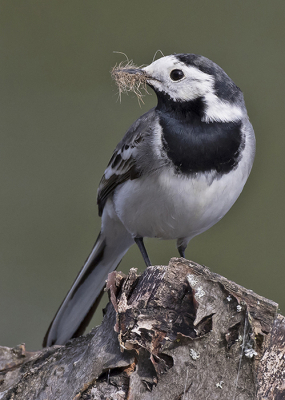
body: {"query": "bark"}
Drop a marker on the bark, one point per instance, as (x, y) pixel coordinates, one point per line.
(177, 332)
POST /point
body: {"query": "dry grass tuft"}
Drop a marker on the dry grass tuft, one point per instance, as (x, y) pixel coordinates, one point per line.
(129, 82)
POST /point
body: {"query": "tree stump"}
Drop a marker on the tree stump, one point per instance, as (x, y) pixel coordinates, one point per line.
(177, 332)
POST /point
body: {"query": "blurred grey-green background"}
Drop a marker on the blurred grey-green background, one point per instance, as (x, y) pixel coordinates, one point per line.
(61, 119)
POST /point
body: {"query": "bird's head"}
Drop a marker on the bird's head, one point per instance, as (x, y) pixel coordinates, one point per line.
(185, 81)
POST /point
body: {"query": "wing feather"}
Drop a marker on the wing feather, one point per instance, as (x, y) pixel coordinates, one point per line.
(107, 186)
(123, 164)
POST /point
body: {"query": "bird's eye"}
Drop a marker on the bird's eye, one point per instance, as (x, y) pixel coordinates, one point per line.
(176, 74)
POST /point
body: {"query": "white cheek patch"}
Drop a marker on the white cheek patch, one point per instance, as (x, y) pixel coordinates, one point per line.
(190, 89)
(218, 110)
(195, 83)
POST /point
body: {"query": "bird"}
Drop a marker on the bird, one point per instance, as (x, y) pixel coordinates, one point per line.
(176, 172)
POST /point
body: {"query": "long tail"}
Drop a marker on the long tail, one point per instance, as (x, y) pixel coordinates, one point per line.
(83, 298)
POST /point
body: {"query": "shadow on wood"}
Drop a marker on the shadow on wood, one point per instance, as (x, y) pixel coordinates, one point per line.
(176, 332)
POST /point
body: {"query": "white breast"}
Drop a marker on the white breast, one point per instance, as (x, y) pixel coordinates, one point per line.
(170, 206)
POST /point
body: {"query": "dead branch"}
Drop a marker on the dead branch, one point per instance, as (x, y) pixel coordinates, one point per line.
(175, 332)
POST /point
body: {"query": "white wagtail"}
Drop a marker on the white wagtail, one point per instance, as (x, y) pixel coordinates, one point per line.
(177, 171)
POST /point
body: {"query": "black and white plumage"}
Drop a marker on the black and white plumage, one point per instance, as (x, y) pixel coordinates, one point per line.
(177, 171)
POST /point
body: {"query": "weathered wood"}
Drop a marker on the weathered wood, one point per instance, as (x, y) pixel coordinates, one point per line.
(271, 374)
(175, 332)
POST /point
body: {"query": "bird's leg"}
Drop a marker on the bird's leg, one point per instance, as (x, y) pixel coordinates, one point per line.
(181, 249)
(140, 243)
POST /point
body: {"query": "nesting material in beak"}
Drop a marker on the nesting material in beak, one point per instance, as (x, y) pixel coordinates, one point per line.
(130, 78)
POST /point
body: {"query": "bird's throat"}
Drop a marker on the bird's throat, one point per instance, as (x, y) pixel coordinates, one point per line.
(196, 146)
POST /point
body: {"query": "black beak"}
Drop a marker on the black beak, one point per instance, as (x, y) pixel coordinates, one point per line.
(132, 71)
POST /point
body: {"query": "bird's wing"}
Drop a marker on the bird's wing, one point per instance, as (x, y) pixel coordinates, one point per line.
(123, 164)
